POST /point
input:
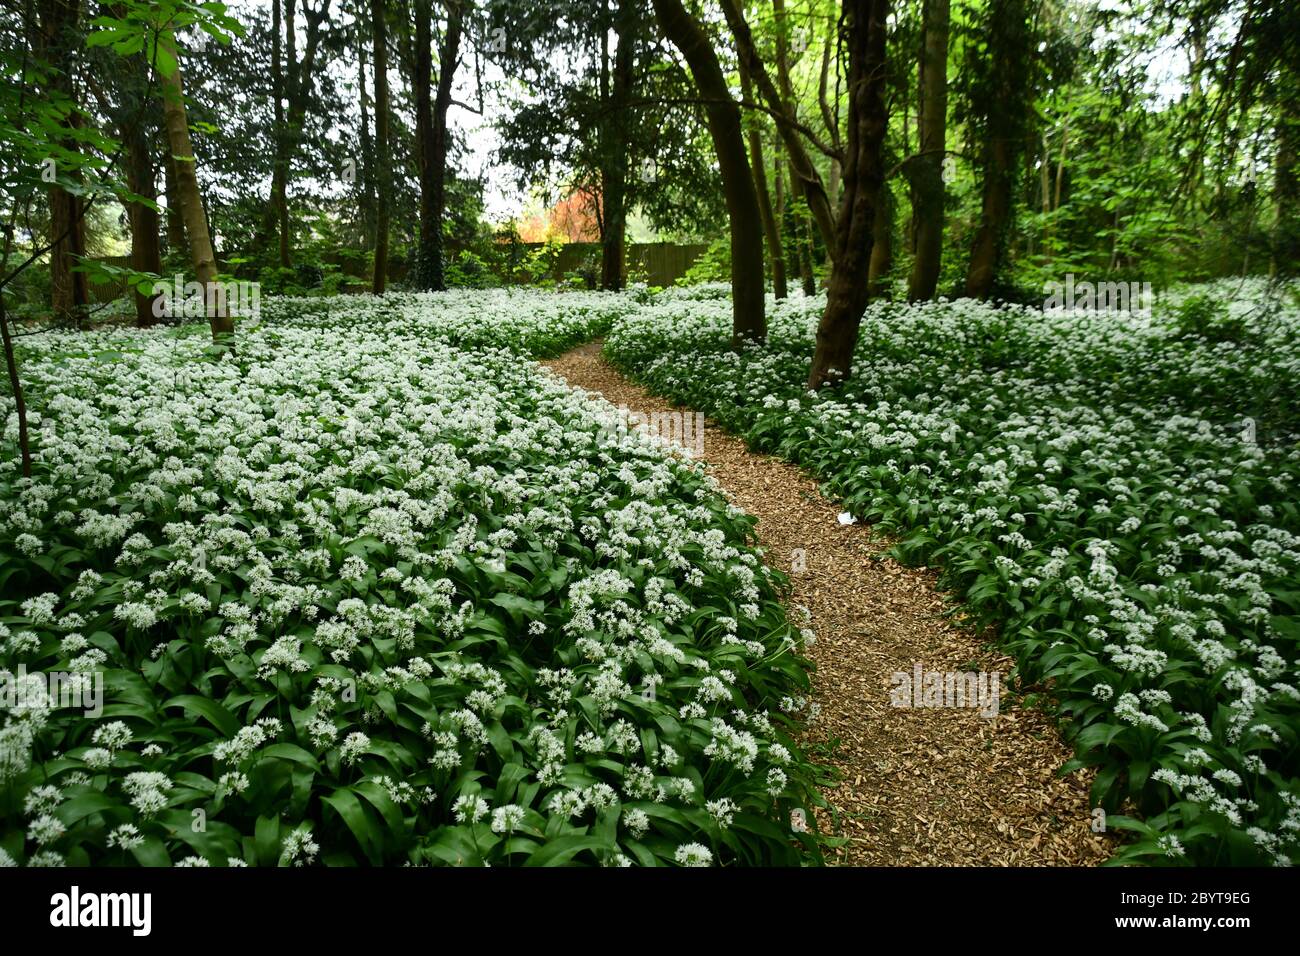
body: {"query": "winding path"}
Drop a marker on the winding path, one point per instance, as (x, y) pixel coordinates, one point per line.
(928, 786)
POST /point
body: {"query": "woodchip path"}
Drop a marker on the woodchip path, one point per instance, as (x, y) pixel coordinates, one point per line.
(941, 786)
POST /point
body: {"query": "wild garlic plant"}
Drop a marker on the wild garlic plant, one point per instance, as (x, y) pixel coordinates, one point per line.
(1116, 492)
(374, 588)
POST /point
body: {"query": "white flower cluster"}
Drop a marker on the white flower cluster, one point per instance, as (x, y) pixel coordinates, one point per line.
(1121, 491)
(376, 550)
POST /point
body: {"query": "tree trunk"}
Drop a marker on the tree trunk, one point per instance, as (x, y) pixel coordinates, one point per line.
(383, 170)
(798, 211)
(1005, 110)
(69, 293)
(367, 190)
(1285, 252)
(297, 84)
(770, 228)
(847, 291)
(749, 321)
(802, 236)
(175, 221)
(614, 155)
(145, 253)
(280, 169)
(448, 59)
(882, 242)
(422, 89)
(16, 385)
(927, 169)
(189, 197)
(990, 239)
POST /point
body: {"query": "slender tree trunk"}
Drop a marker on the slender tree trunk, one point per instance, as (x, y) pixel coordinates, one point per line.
(383, 171)
(11, 367)
(749, 321)
(614, 154)
(422, 88)
(367, 191)
(175, 221)
(770, 228)
(16, 385)
(1005, 109)
(802, 236)
(297, 85)
(847, 292)
(280, 169)
(1045, 194)
(189, 198)
(787, 215)
(1285, 254)
(990, 239)
(145, 253)
(882, 242)
(138, 167)
(69, 293)
(799, 213)
(448, 59)
(927, 168)
(1060, 164)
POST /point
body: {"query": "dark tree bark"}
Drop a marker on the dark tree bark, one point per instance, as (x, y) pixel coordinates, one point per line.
(69, 293)
(138, 166)
(882, 242)
(802, 230)
(927, 169)
(863, 23)
(384, 176)
(614, 154)
(422, 89)
(280, 170)
(367, 191)
(431, 240)
(995, 215)
(146, 255)
(175, 221)
(749, 320)
(776, 257)
(799, 214)
(1004, 110)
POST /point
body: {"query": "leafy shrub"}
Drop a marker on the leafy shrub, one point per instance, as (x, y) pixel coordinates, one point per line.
(1206, 316)
(713, 266)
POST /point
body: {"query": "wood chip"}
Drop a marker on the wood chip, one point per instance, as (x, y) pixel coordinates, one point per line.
(934, 787)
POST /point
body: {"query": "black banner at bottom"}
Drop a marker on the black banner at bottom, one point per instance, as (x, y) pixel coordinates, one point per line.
(337, 906)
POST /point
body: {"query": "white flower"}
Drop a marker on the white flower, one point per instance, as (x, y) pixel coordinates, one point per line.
(45, 829)
(508, 818)
(354, 746)
(693, 854)
(470, 808)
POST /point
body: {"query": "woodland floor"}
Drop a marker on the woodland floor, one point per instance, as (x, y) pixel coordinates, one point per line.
(909, 786)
